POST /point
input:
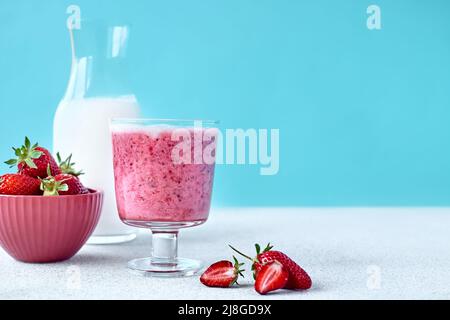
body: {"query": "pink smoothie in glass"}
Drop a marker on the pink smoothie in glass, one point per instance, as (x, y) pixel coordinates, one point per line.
(150, 186)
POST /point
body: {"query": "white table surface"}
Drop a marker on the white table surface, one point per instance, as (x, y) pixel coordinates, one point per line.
(356, 253)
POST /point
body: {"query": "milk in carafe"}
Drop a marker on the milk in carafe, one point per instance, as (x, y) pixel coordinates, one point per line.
(98, 90)
(81, 128)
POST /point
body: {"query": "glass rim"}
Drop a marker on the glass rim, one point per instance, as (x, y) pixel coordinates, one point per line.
(144, 121)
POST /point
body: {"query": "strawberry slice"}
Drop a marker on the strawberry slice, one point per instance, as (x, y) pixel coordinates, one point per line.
(222, 274)
(272, 276)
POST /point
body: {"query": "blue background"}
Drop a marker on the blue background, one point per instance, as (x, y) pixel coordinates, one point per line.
(363, 115)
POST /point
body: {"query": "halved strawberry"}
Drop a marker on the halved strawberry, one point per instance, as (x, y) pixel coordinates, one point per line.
(272, 276)
(298, 278)
(222, 274)
(33, 160)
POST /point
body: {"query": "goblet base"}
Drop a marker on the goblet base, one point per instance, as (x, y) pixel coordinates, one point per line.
(154, 267)
(164, 260)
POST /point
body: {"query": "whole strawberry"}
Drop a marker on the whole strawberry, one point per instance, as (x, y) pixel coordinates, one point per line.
(18, 184)
(298, 278)
(222, 274)
(33, 160)
(62, 185)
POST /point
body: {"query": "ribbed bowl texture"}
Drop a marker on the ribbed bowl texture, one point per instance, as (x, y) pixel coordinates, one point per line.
(38, 229)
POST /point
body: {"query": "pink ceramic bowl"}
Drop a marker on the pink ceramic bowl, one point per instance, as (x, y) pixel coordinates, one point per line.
(47, 229)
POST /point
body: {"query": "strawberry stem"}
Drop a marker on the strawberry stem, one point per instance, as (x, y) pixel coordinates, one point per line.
(242, 254)
(51, 186)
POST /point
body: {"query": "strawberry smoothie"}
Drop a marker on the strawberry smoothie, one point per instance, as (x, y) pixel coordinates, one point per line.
(151, 186)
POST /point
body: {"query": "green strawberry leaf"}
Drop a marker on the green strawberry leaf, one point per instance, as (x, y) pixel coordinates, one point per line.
(258, 248)
(27, 143)
(35, 154)
(268, 247)
(30, 163)
(17, 152)
(67, 166)
(11, 162)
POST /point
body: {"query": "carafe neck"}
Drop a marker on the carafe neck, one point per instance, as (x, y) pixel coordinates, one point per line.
(99, 62)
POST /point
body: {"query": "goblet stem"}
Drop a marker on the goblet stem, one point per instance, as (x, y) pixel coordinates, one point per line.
(164, 261)
(164, 247)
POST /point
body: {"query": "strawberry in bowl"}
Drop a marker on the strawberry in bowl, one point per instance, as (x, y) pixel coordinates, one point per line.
(33, 160)
(62, 184)
(19, 184)
(46, 213)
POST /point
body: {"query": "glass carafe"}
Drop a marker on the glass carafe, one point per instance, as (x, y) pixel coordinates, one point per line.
(98, 90)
